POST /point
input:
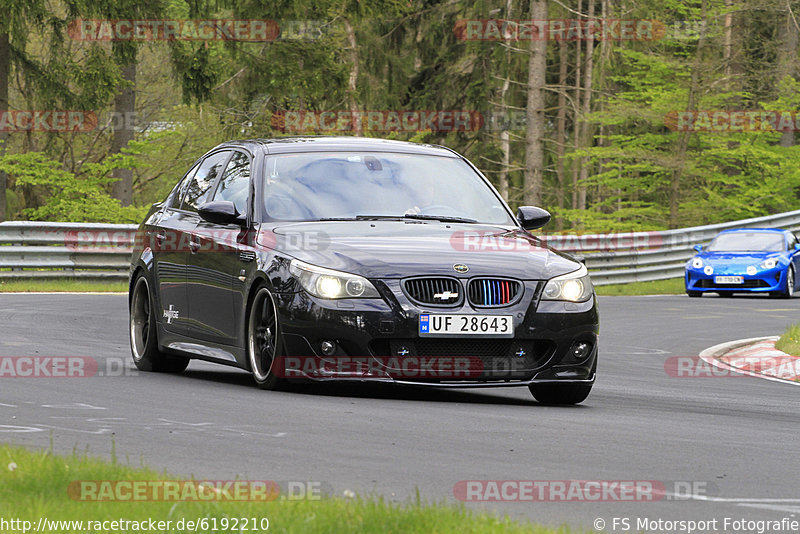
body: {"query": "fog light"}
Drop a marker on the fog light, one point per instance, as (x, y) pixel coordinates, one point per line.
(580, 350)
(751, 270)
(327, 347)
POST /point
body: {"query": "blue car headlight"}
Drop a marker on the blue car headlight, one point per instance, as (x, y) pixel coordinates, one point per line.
(769, 263)
(697, 263)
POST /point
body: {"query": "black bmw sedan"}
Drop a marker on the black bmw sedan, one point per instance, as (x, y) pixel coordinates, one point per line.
(340, 258)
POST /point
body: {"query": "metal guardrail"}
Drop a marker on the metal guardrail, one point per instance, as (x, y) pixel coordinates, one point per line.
(102, 251)
(73, 250)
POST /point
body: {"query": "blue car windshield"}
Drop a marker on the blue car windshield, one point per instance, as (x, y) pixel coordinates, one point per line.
(747, 242)
(315, 186)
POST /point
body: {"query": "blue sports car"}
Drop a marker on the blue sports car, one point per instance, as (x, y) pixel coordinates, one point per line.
(753, 260)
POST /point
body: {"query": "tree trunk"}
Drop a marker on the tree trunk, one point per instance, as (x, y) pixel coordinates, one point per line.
(586, 132)
(727, 44)
(534, 137)
(352, 82)
(505, 138)
(676, 178)
(576, 118)
(787, 60)
(5, 67)
(561, 129)
(124, 109)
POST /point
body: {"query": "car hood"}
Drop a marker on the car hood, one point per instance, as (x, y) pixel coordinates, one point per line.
(743, 258)
(397, 249)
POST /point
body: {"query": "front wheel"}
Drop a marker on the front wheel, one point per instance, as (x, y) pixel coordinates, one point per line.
(788, 291)
(264, 342)
(554, 393)
(144, 342)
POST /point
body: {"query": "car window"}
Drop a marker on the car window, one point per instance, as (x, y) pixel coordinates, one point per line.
(320, 185)
(175, 197)
(791, 241)
(747, 242)
(199, 187)
(235, 183)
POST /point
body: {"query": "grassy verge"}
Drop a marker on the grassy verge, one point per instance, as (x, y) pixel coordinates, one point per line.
(790, 341)
(34, 485)
(673, 286)
(62, 284)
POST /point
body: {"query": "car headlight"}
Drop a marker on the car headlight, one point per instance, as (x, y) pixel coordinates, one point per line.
(329, 284)
(697, 263)
(573, 287)
(769, 263)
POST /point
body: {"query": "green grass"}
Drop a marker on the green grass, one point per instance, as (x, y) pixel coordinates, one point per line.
(62, 284)
(790, 341)
(38, 487)
(673, 286)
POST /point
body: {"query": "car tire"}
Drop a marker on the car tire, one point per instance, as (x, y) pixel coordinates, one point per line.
(264, 340)
(694, 293)
(554, 394)
(143, 333)
(788, 291)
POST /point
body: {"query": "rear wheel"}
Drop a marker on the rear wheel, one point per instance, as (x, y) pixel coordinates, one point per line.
(554, 393)
(264, 343)
(144, 341)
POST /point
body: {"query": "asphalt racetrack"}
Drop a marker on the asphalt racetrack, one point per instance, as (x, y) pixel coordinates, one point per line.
(723, 447)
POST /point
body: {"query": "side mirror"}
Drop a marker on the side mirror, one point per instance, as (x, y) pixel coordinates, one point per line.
(220, 212)
(797, 246)
(531, 217)
(698, 248)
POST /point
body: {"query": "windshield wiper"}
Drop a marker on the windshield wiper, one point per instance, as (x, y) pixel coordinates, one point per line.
(362, 218)
(442, 218)
(417, 216)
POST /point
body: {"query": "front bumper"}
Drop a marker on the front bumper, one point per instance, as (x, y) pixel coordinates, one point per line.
(378, 341)
(764, 281)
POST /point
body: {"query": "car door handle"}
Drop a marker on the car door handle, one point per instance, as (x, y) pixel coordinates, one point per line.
(194, 246)
(161, 237)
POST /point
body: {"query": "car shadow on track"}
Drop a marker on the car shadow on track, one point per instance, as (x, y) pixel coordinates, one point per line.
(375, 391)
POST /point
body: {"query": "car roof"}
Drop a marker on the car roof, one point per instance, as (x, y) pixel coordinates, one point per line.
(279, 145)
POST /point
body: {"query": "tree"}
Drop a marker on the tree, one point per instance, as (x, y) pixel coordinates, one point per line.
(17, 16)
(534, 139)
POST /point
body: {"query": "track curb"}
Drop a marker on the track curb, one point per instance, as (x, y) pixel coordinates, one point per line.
(756, 357)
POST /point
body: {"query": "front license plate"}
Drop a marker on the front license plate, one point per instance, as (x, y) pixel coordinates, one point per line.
(729, 280)
(466, 325)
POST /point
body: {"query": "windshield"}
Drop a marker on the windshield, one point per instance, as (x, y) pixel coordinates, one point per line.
(348, 185)
(747, 242)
